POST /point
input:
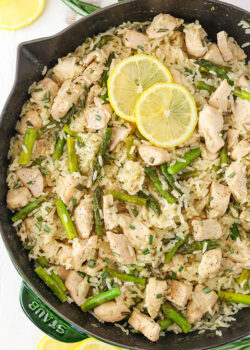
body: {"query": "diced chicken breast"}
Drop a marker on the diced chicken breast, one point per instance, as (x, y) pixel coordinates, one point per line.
(219, 99)
(200, 304)
(232, 138)
(120, 245)
(213, 54)
(207, 155)
(154, 297)
(44, 87)
(77, 286)
(195, 43)
(206, 229)
(245, 220)
(220, 197)
(210, 263)
(240, 252)
(43, 147)
(241, 114)
(67, 187)
(134, 39)
(92, 73)
(93, 92)
(210, 126)
(180, 292)
(178, 77)
(18, 197)
(57, 253)
(32, 179)
(119, 134)
(68, 68)
(241, 150)
(229, 48)
(99, 55)
(132, 177)
(67, 95)
(144, 324)
(93, 271)
(243, 82)
(83, 250)
(236, 179)
(109, 212)
(105, 252)
(30, 120)
(62, 272)
(153, 155)
(161, 24)
(111, 311)
(98, 117)
(228, 264)
(83, 219)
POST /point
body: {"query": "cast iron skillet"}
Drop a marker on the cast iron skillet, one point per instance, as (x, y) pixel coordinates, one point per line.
(58, 319)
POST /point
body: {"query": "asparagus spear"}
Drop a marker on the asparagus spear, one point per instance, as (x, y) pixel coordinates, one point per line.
(59, 149)
(169, 177)
(97, 209)
(131, 151)
(242, 94)
(125, 277)
(176, 317)
(103, 41)
(101, 298)
(58, 281)
(104, 77)
(164, 324)
(72, 156)
(100, 155)
(27, 147)
(74, 134)
(122, 196)
(200, 85)
(21, 214)
(171, 253)
(42, 261)
(66, 219)
(243, 279)
(234, 231)
(210, 66)
(37, 161)
(190, 248)
(151, 174)
(188, 174)
(48, 280)
(187, 159)
(234, 297)
(151, 202)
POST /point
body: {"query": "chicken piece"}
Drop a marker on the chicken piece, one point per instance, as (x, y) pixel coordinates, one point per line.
(67, 187)
(111, 311)
(153, 155)
(99, 55)
(213, 54)
(229, 48)
(77, 286)
(92, 73)
(178, 39)
(231, 266)
(207, 155)
(98, 117)
(44, 87)
(106, 252)
(210, 263)
(243, 82)
(180, 292)
(136, 232)
(134, 39)
(241, 114)
(144, 324)
(240, 252)
(200, 304)
(241, 150)
(206, 229)
(120, 245)
(93, 271)
(30, 120)
(62, 272)
(178, 77)
(119, 134)
(109, 212)
(68, 68)
(18, 197)
(245, 220)
(175, 263)
(210, 126)
(83, 219)
(93, 92)
(132, 176)
(66, 97)
(42, 148)
(219, 99)
(236, 179)
(232, 138)
(195, 43)
(161, 24)
(83, 249)
(32, 179)
(57, 253)
(154, 297)
(220, 197)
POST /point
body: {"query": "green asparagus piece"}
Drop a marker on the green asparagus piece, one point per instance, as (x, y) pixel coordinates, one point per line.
(188, 174)
(80, 7)
(164, 324)
(169, 177)
(21, 214)
(103, 41)
(200, 85)
(242, 94)
(37, 161)
(210, 66)
(190, 248)
(74, 134)
(97, 209)
(151, 174)
(234, 297)
(27, 147)
(99, 299)
(66, 219)
(72, 156)
(42, 261)
(58, 281)
(48, 280)
(235, 231)
(171, 253)
(124, 277)
(176, 317)
(100, 155)
(244, 277)
(188, 157)
(105, 76)
(131, 152)
(223, 155)
(59, 149)
(151, 202)
(122, 196)
(55, 123)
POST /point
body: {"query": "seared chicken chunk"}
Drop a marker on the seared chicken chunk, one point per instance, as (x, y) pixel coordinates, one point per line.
(83, 249)
(219, 99)
(32, 179)
(68, 187)
(119, 134)
(206, 229)
(229, 48)
(237, 180)
(144, 324)
(161, 24)
(120, 245)
(18, 197)
(240, 252)
(105, 252)
(220, 197)
(245, 220)
(83, 218)
(43, 147)
(243, 82)
(232, 138)
(68, 68)
(30, 120)
(44, 88)
(154, 297)
(92, 73)
(112, 311)
(93, 92)
(210, 263)
(153, 155)
(206, 154)
(109, 212)
(134, 39)
(77, 286)
(180, 292)
(241, 150)
(241, 114)
(93, 271)
(195, 43)
(98, 117)
(213, 54)
(178, 77)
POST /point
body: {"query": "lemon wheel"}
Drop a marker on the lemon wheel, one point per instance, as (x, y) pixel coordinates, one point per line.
(48, 343)
(94, 344)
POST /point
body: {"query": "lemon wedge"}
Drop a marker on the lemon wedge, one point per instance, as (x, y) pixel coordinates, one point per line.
(15, 14)
(47, 343)
(130, 78)
(94, 344)
(166, 114)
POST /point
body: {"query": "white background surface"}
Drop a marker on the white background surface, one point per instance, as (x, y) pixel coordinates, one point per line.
(16, 331)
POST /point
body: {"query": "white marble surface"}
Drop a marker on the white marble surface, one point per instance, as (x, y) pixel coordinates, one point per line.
(16, 331)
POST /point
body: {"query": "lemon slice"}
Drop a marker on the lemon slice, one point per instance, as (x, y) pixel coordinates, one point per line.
(15, 14)
(47, 343)
(166, 114)
(94, 344)
(130, 78)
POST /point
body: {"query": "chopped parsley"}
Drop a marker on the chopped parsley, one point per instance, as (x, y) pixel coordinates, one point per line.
(116, 254)
(29, 182)
(52, 195)
(107, 260)
(98, 117)
(207, 290)
(210, 199)
(201, 223)
(47, 209)
(140, 47)
(180, 268)
(237, 207)
(173, 276)
(134, 211)
(162, 30)
(150, 240)
(38, 225)
(86, 88)
(231, 250)
(39, 218)
(82, 103)
(91, 263)
(46, 228)
(158, 296)
(104, 274)
(38, 90)
(79, 187)
(232, 175)
(74, 201)
(17, 186)
(146, 251)
(44, 171)
(236, 220)
(132, 227)
(46, 97)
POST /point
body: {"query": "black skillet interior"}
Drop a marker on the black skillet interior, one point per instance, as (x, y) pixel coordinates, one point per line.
(32, 57)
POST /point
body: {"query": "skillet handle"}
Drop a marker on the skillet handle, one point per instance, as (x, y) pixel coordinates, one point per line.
(46, 319)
